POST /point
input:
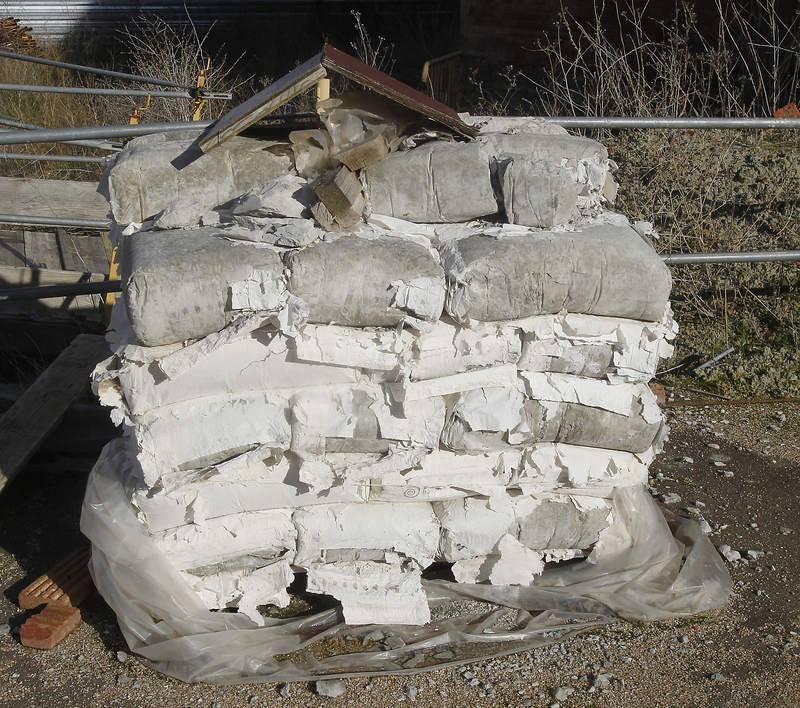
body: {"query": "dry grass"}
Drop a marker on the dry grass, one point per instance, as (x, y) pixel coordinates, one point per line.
(149, 47)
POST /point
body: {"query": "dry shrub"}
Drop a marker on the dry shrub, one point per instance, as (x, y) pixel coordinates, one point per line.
(704, 190)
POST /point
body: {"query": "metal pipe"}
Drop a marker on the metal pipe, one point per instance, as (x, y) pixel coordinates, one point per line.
(676, 123)
(84, 91)
(101, 224)
(99, 144)
(90, 69)
(743, 257)
(42, 292)
(34, 157)
(57, 135)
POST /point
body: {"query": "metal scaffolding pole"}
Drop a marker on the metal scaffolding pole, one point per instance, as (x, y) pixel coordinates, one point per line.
(673, 123)
(57, 135)
(99, 144)
(55, 157)
(42, 292)
(101, 224)
(80, 68)
(84, 91)
(743, 257)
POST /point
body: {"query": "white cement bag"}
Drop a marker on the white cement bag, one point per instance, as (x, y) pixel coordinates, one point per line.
(367, 281)
(602, 270)
(143, 181)
(437, 182)
(596, 347)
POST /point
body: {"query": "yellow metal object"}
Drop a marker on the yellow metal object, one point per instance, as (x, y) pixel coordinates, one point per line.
(113, 274)
(199, 103)
(136, 113)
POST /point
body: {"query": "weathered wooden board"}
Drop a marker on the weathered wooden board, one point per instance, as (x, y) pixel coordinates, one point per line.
(86, 306)
(82, 252)
(62, 250)
(28, 422)
(52, 197)
(12, 249)
(41, 250)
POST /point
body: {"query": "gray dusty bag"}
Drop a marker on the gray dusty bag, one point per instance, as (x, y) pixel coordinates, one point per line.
(601, 270)
(550, 148)
(536, 192)
(434, 183)
(367, 282)
(176, 283)
(576, 424)
(143, 181)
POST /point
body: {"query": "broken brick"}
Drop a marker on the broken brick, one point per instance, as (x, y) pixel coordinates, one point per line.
(49, 628)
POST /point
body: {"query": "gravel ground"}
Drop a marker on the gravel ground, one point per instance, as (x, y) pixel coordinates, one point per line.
(736, 466)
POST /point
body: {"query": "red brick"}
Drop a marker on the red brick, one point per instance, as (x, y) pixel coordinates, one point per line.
(67, 583)
(48, 628)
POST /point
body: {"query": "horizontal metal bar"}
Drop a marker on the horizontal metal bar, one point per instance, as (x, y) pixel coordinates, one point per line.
(42, 292)
(57, 135)
(743, 257)
(55, 157)
(99, 144)
(676, 123)
(84, 91)
(80, 68)
(102, 224)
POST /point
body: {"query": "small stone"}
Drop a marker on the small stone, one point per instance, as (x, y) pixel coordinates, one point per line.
(755, 555)
(474, 682)
(713, 446)
(216, 704)
(602, 681)
(375, 636)
(728, 553)
(331, 688)
(123, 680)
(785, 530)
(728, 474)
(627, 659)
(716, 677)
(562, 693)
(283, 691)
(122, 657)
(671, 498)
(719, 463)
(411, 692)
(688, 460)
(253, 699)
(393, 642)
(136, 684)
(468, 675)
(5, 629)
(684, 639)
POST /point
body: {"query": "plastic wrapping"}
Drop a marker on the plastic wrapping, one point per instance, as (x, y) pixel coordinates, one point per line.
(642, 568)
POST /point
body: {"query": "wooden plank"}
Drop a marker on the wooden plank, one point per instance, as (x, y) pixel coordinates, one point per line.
(41, 250)
(86, 306)
(82, 252)
(31, 419)
(52, 197)
(278, 93)
(12, 249)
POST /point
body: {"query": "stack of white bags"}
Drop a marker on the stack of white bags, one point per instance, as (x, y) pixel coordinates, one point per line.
(461, 378)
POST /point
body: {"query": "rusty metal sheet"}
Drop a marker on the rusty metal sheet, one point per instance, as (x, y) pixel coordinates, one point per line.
(354, 69)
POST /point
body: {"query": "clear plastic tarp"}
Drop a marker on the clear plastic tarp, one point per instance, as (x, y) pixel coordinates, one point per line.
(648, 565)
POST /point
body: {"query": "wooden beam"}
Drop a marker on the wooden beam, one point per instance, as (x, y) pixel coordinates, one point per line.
(28, 422)
(52, 197)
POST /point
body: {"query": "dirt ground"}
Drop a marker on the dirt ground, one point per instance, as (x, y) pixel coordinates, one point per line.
(747, 489)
